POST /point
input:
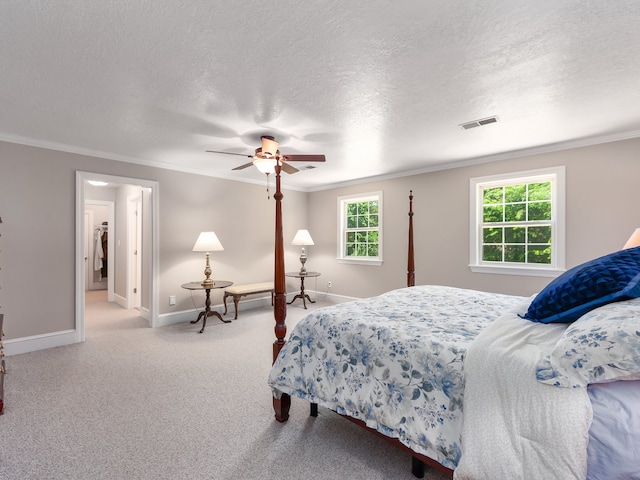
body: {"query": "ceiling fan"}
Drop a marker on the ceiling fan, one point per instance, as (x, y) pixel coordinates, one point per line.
(266, 157)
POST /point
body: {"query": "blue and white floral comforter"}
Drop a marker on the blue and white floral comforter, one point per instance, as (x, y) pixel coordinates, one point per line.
(394, 361)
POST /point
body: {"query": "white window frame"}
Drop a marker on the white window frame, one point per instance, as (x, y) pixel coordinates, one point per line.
(342, 226)
(556, 175)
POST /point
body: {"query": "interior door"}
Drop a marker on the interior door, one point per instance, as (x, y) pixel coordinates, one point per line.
(134, 249)
(138, 257)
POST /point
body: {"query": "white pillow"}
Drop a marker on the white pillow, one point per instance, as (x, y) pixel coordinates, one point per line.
(601, 346)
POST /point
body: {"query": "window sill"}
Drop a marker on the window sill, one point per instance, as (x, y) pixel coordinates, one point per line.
(360, 261)
(525, 271)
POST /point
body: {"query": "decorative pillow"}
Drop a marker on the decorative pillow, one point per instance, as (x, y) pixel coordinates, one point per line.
(606, 279)
(602, 346)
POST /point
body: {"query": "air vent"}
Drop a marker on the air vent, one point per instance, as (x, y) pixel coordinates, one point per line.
(479, 123)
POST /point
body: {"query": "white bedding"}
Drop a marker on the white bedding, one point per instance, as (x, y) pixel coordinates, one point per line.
(519, 428)
(614, 437)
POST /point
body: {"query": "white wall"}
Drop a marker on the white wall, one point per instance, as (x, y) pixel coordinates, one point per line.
(37, 199)
(601, 214)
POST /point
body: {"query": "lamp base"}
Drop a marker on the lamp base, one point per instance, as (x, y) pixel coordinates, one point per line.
(207, 283)
(303, 260)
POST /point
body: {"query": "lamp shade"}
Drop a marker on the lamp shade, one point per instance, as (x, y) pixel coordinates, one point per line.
(269, 146)
(207, 242)
(634, 239)
(303, 237)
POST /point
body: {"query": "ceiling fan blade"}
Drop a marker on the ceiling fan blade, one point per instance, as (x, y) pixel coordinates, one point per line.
(230, 153)
(288, 168)
(241, 167)
(304, 158)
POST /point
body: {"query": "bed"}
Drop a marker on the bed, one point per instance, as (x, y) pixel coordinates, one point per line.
(542, 397)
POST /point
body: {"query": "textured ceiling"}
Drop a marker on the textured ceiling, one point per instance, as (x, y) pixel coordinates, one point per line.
(379, 87)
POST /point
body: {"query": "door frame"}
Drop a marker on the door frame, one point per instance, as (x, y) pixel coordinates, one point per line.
(152, 283)
(134, 251)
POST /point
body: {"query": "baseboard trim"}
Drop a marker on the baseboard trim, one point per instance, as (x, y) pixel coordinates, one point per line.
(331, 297)
(165, 319)
(16, 346)
(120, 300)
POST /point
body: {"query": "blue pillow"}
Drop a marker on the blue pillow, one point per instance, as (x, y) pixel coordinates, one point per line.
(603, 280)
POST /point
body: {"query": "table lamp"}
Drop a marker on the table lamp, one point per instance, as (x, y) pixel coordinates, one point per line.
(303, 237)
(207, 242)
(634, 239)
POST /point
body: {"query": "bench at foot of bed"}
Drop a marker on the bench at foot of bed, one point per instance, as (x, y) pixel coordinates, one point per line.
(238, 291)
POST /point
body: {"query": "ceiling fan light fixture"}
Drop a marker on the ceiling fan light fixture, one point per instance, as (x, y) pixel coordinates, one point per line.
(267, 156)
(265, 165)
(269, 146)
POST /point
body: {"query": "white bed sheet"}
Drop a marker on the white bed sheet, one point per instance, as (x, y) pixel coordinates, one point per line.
(614, 437)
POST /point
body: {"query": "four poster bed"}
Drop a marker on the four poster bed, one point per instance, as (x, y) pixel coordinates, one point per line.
(402, 365)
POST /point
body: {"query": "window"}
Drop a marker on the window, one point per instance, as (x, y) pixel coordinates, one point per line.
(360, 228)
(517, 223)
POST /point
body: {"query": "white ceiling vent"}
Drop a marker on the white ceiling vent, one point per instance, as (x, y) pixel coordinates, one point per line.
(479, 123)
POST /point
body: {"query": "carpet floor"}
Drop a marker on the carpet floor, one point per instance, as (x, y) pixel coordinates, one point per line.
(133, 402)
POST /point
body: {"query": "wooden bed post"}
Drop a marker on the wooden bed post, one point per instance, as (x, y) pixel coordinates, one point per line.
(280, 405)
(411, 275)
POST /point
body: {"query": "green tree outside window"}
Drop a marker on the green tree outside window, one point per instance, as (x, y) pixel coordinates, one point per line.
(361, 233)
(517, 224)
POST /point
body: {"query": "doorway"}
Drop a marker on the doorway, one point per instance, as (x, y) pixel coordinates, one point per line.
(132, 267)
(99, 251)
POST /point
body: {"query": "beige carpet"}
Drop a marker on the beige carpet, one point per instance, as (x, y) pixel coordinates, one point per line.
(138, 403)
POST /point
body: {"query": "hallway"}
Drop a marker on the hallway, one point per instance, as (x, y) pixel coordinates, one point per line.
(102, 317)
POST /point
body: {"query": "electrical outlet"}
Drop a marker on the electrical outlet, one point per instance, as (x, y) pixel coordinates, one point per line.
(329, 284)
(172, 300)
